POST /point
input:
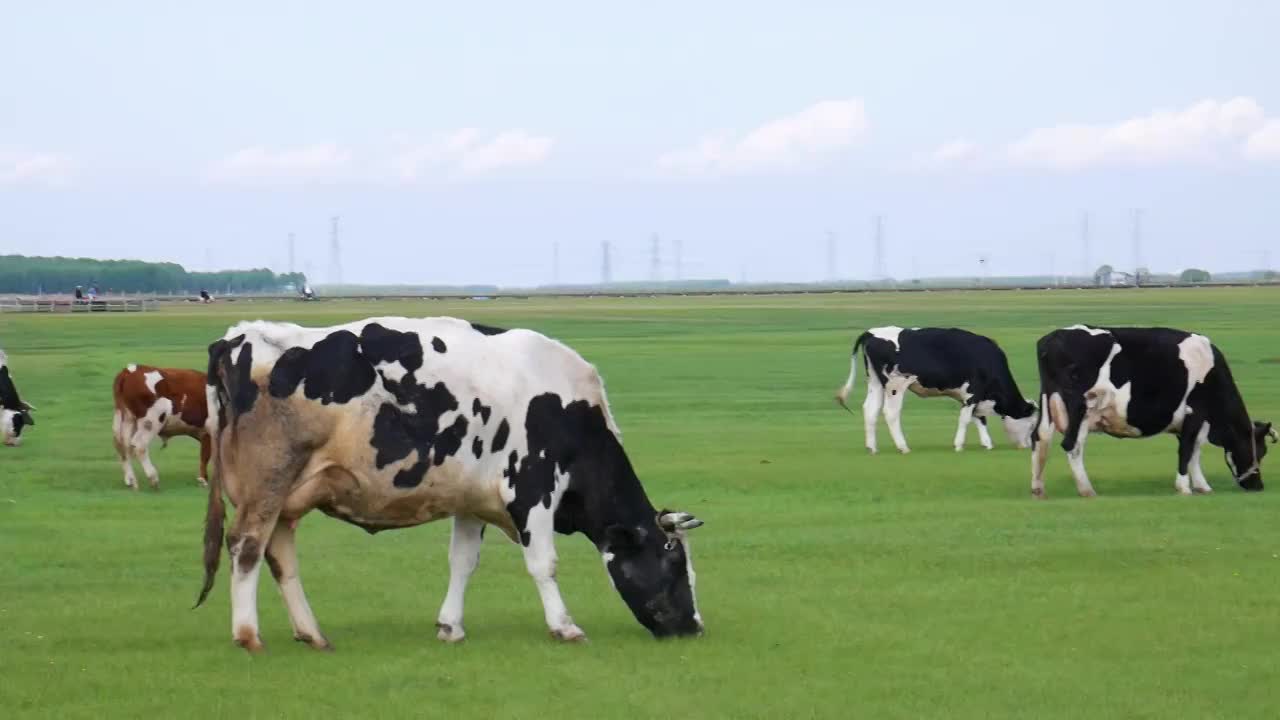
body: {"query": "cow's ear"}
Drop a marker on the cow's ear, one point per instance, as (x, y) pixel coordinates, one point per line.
(622, 537)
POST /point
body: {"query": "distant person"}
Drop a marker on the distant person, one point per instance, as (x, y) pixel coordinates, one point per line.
(79, 294)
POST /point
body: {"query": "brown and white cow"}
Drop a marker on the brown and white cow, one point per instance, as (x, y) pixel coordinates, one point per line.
(156, 402)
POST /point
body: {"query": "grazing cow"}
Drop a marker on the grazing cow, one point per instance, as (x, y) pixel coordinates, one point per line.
(156, 402)
(1140, 382)
(393, 422)
(936, 362)
(14, 413)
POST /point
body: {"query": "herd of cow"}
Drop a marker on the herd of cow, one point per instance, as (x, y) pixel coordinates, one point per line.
(394, 422)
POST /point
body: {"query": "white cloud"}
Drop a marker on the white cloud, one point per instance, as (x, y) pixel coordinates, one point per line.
(322, 162)
(1206, 132)
(470, 152)
(21, 167)
(953, 153)
(1264, 144)
(797, 141)
(466, 152)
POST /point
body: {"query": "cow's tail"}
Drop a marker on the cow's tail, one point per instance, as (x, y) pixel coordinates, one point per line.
(842, 395)
(215, 513)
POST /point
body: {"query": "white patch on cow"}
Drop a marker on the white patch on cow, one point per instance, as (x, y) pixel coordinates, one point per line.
(607, 557)
(153, 379)
(1196, 354)
(1107, 406)
(6, 428)
(693, 579)
(1086, 328)
(392, 370)
(131, 367)
(889, 333)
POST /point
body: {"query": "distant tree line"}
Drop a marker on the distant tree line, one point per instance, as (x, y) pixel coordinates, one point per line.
(22, 274)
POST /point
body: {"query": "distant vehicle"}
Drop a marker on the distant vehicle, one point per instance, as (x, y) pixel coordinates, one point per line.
(307, 293)
(205, 297)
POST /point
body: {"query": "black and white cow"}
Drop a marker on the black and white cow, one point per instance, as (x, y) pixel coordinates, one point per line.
(934, 362)
(393, 422)
(14, 413)
(1140, 382)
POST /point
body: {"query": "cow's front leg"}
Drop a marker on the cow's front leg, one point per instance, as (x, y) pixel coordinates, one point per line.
(540, 559)
(1075, 457)
(206, 450)
(984, 436)
(966, 417)
(464, 555)
(1190, 439)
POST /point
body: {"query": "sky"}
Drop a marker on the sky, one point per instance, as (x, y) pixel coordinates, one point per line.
(461, 142)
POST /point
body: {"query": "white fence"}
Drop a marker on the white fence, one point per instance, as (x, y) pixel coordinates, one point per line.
(57, 305)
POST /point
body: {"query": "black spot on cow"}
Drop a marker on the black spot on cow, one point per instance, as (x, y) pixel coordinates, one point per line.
(162, 417)
(231, 381)
(397, 433)
(8, 392)
(500, 437)
(477, 447)
(438, 345)
(487, 329)
(555, 434)
(478, 408)
(380, 345)
(334, 370)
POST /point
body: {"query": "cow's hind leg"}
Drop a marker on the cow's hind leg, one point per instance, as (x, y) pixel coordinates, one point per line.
(282, 558)
(254, 525)
(464, 555)
(1041, 437)
(1073, 443)
(896, 390)
(540, 559)
(122, 433)
(206, 450)
(871, 409)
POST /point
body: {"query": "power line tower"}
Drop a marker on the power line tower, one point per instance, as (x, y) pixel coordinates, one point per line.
(679, 249)
(1085, 270)
(878, 272)
(291, 255)
(555, 263)
(655, 259)
(831, 256)
(606, 272)
(1137, 245)
(335, 254)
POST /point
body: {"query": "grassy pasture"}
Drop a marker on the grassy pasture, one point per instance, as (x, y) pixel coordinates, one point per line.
(833, 584)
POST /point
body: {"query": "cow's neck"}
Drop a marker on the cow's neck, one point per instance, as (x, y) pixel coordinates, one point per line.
(603, 490)
(1229, 425)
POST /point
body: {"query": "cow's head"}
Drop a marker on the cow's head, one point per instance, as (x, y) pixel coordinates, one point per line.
(1245, 460)
(652, 569)
(1020, 422)
(11, 424)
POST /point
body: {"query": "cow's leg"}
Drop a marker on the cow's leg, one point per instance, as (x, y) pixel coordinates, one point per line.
(254, 524)
(145, 432)
(1189, 440)
(966, 417)
(206, 450)
(282, 558)
(122, 432)
(895, 393)
(1043, 434)
(1198, 482)
(1075, 455)
(464, 555)
(540, 559)
(871, 408)
(983, 436)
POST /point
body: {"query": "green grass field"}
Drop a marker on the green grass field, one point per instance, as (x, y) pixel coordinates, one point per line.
(833, 584)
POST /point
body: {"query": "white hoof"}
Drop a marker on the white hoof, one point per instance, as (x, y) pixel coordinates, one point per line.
(450, 632)
(202, 482)
(569, 634)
